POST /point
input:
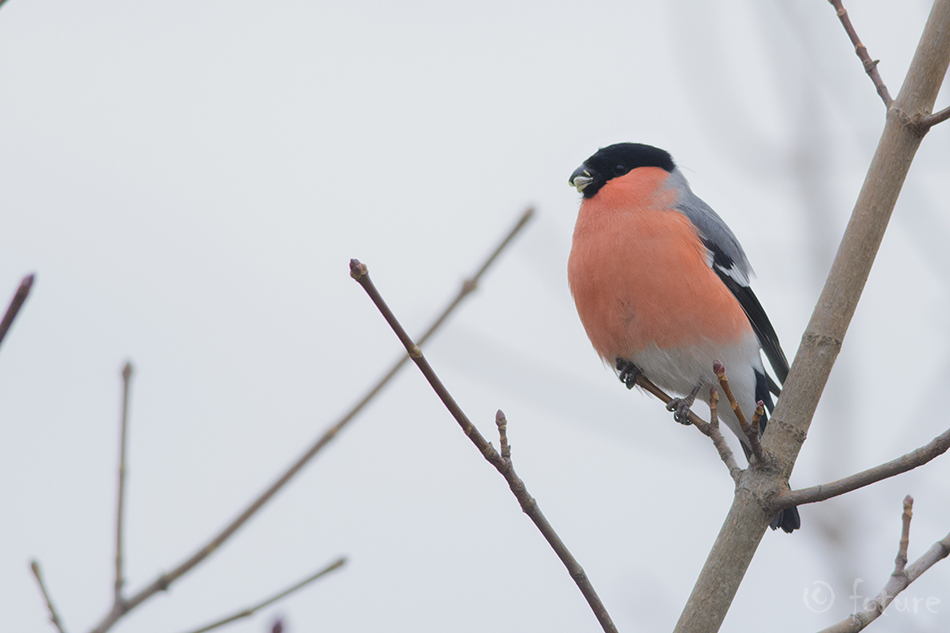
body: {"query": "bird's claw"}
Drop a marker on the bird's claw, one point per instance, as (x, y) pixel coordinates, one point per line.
(628, 372)
(680, 406)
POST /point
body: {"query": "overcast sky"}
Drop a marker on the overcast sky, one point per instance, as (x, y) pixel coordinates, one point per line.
(188, 181)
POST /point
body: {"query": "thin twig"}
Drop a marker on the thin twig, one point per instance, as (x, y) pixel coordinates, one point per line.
(725, 453)
(53, 615)
(504, 466)
(22, 291)
(502, 423)
(164, 580)
(900, 562)
(120, 505)
(870, 66)
(249, 611)
(938, 446)
(899, 581)
(751, 433)
(706, 428)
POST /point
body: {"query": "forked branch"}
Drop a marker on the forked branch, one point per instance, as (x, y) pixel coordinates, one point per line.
(709, 429)
(163, 581)
(900, 578)
(746, 523)
(501, 462)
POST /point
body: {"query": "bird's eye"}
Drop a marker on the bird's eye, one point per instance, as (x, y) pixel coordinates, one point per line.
(620, 170)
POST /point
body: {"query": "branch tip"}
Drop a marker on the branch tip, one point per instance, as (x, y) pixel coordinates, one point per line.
(502, 422)
(357, 269)
(53, 615)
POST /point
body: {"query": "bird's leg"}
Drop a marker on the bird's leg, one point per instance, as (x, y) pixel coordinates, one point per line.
(628, 372)
(680, 406)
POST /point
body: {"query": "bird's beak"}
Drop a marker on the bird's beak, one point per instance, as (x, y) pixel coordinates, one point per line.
(580, 178)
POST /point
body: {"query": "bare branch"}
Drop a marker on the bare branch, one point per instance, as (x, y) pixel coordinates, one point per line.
(748, 518)
(938, 446)
(164, 580)
(713, 433)
(900, 579)
(504, 466)
(870, 66)
(22, 291)
(937, 117)
(752, 434)
(900, 562)
(249, 611)
(53, 615)
(120, 505)
(709, 429)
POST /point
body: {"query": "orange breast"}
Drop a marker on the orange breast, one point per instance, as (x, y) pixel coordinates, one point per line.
(639, 273)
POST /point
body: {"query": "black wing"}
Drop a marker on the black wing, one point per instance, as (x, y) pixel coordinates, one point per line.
(761, 325)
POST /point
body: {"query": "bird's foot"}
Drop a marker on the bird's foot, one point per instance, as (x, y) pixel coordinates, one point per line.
(628, 372)
(680, 406)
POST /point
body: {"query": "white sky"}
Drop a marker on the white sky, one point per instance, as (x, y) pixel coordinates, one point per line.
(189, 180)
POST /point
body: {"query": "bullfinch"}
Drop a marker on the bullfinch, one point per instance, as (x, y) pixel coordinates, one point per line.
(661, 286)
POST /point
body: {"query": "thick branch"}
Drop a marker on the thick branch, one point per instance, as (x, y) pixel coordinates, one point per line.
(900, 579)
(938, 446)
(251, 610)
(749, 516)
(22, 292)
(163, 581)
(504, 466)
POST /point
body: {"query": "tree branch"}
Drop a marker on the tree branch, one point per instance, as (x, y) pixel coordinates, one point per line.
(937, 117)
(752, 434)
(750, 515)
(713, 433)
(502, 464)
(870, 66)
(164, 580)
(120, 505)
(53, 615)
(22, 292)
(709, 429)
(938, 446)
(249, 611)
(900, 579)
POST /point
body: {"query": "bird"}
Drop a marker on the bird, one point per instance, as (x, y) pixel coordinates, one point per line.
(661, 286)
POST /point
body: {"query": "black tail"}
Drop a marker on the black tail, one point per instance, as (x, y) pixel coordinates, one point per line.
(787, 519)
